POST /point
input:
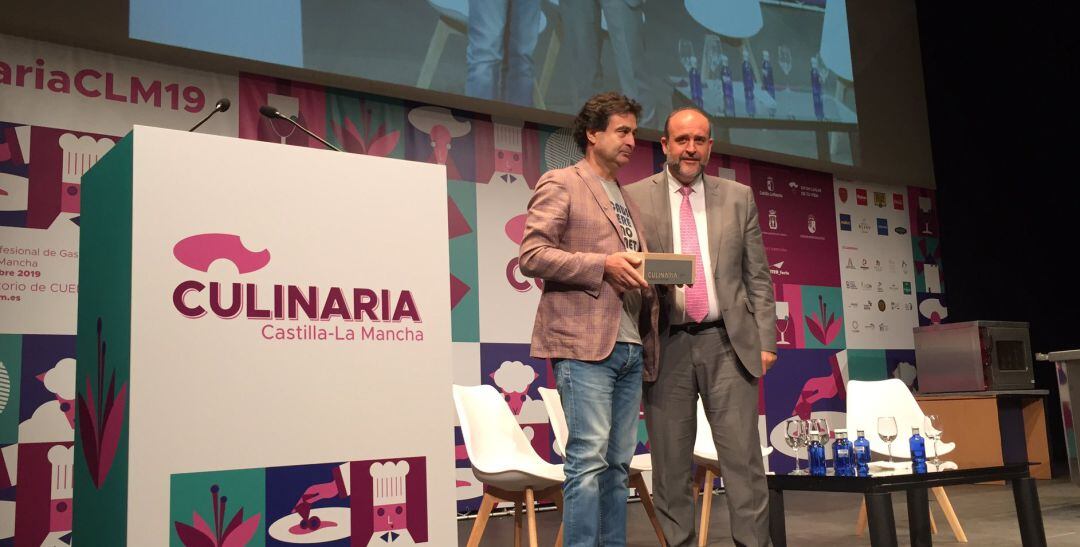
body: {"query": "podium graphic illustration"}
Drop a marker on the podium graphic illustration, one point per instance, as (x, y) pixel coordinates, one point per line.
(263, 347)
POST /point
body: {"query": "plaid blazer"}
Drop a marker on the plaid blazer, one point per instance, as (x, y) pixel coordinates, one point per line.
(571, 228)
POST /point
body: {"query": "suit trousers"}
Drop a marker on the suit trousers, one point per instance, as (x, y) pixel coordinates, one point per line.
(705, 365)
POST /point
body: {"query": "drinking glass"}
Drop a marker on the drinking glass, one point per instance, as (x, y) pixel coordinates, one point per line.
(886, 429)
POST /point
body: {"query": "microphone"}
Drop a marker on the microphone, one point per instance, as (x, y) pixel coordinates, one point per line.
(221, 106)
(273, 113)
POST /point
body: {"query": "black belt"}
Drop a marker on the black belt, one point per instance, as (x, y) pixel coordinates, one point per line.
(694, 328)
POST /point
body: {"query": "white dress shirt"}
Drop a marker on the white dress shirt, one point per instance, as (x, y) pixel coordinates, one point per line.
(697, 205)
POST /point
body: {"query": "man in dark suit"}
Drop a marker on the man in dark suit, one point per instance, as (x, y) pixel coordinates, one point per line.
(597, 317)
(717, 337)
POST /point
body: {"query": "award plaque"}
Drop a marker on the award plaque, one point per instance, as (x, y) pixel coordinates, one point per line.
(667, 268)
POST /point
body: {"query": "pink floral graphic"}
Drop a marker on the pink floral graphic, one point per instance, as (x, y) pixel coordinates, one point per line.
(825, 330)
(236, 534)
(101, 419)
(379, 144)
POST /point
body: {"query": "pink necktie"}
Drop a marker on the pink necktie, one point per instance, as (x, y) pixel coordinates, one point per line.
(697, 296)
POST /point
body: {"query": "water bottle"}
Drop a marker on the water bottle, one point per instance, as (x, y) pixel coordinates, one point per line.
(729, 90)
(918, 451)
(766, 75)
(815, 87)
(816, 454)
(695, 87)
(842, 455)
(861, 447)
(748, 82)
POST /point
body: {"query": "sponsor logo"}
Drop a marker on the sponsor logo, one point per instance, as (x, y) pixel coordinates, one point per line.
(883, 226)
(845, 222)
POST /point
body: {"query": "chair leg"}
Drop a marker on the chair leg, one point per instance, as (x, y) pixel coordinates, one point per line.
(556, 496)
(950, 515)
(637, 482)
(434, 52)
(517, 524)
(860, 525)
(530, 503)
(548, 67)
(699, 478)
(933, 525)
(706, 508)
(481, 520)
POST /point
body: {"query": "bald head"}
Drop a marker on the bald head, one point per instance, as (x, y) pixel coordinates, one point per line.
(682, 111)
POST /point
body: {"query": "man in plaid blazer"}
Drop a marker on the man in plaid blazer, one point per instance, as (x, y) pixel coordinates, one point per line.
(597, 318)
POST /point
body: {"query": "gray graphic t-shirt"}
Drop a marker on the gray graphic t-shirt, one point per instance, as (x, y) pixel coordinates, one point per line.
(628, 324)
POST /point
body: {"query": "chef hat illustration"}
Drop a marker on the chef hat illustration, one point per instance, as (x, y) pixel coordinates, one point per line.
(62, 460)
(388, 482)
(80, 154)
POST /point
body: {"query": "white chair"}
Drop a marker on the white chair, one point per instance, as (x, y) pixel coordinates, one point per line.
(638, 464)
(708, 463)
(866, 402)
(504, 460)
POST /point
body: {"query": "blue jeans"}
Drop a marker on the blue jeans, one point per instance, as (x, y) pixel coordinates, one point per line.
(489, 22)
(601, 400)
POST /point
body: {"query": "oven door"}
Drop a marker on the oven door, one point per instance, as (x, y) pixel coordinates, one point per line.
(1007, 358)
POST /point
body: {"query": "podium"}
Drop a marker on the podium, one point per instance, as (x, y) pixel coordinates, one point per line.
(263, 347)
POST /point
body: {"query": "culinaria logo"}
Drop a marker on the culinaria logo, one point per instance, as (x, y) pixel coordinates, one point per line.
(286, 311)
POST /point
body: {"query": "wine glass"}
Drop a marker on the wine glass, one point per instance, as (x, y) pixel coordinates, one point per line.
(783, 58)
(823, 70)
(793, 437)
(289, 106)
(686, 55)
(925, 206)
(710, 57)
(886, 429)
(822, 425)
(932, 430)
(783, 318)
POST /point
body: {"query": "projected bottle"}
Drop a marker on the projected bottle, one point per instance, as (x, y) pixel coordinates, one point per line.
(766, 75)
(748, 82)
(729, 91)
(815, 88)
(861, 448)
(695, 87)
(918, 451)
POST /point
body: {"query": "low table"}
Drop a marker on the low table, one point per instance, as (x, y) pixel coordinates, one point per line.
(878, 491)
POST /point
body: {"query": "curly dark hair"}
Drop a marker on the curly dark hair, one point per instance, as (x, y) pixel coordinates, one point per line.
(594, 115)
